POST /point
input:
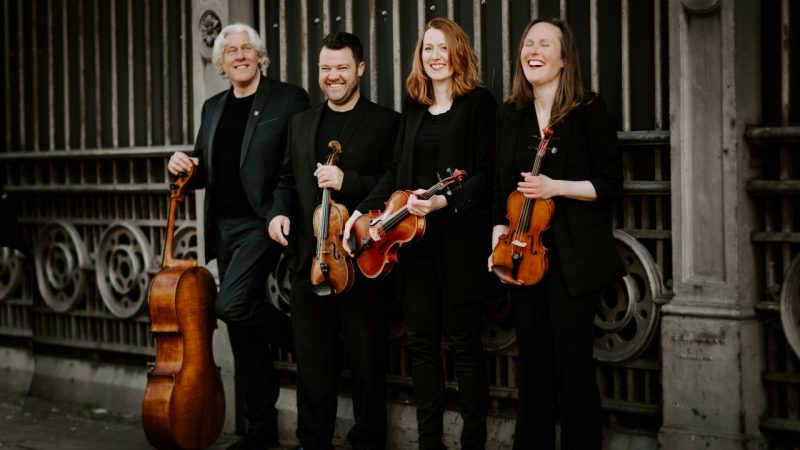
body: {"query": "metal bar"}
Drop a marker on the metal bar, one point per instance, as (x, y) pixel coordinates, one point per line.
(562, 9)
(775, 236)
(373, 51)
(594, 49)
(646, 187)
(348, 16)
(759, 136)
(304, 46)
(97, 85)
(398, 76)
(34, 75)
(21, 79)
(165, 49)
(646, 137)
(81, 78)
(283, 46)
(148, 80)
(659, 102)
(185, 74)
(505, 45)
(131, 94)
(420, 15)
(626, 65)
(326, 17)
(477, 36)
(451, 9)
(534, 9)
(100, 153)
(51, 116)
(765, 187)
(65, 79)
(112, 20)
(7, 70)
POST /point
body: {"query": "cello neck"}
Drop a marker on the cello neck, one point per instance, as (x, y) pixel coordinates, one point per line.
(176, 196)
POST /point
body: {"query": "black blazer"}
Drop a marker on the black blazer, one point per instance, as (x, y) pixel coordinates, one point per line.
(584, 147)
(367, 144)
(262, 149)
(467, 143)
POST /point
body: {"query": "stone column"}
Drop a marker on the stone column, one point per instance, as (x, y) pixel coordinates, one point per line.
(711, 337)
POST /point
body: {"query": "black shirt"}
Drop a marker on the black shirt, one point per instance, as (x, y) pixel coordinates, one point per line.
(228, 197)
(426, 158)
(330, 127)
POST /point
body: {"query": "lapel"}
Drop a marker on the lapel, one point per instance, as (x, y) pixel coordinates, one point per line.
(557, 149)
(216, 116)
(415, 115)
(256, 113)
(310, 138)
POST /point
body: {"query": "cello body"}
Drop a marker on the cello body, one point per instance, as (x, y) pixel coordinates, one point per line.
(184, 401)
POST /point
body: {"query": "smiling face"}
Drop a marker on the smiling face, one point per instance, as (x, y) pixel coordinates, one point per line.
(240, 60)
(435, 57)
(339, 75)
(541, 56)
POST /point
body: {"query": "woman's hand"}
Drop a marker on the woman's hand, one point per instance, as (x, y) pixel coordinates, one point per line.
(497, 231)
(540, 186)
(419, 207)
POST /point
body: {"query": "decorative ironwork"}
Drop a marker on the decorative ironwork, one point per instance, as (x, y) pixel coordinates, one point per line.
(628, 312)
(790, 306)
(61, 260)
(124, 258)
(210, 26)
(185, 242)
(279, 283)
(498, 334)
(12, 271)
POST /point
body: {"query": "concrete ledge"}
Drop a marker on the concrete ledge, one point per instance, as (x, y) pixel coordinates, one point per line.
(16, 370)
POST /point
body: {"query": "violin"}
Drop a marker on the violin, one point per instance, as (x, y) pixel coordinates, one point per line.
(396, 226)
(331, 268)
(184, 401)
(520, 257)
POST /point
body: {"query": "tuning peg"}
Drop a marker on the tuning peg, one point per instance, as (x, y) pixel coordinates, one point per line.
(173, 186)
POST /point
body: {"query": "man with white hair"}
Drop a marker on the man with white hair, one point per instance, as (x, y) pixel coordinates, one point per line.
(238, 153)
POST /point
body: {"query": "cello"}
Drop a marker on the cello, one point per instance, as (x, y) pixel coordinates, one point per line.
(184, 401)
(331, 268)
(520, 257)
(396, 226)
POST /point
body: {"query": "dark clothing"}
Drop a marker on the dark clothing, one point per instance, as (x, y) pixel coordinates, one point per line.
(247, 156)
(229, 197)
(366, 134)
(442, 278)
(554, 319)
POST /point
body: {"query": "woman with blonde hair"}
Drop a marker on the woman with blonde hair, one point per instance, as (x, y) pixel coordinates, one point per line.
(448, 122)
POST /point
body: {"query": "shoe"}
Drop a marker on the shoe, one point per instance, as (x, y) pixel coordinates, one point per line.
(256, 440)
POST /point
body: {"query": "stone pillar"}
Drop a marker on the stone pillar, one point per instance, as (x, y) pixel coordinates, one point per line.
(711, 337)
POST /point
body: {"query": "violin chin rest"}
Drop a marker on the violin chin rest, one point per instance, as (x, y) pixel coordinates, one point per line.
(505, 275)
(323, 289)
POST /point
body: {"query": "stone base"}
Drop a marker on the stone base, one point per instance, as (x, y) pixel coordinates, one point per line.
(686, 440)
(16, 370)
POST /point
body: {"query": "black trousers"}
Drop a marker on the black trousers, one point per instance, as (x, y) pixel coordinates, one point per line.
(427, 314)
(245, 255)
(555, 367)
(361, 315)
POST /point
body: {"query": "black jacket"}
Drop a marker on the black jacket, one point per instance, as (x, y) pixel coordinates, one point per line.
(585, 145)
(262, 149)
(467, 143)
(367, 143)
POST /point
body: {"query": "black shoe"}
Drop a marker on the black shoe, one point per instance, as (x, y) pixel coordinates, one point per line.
(256, 440)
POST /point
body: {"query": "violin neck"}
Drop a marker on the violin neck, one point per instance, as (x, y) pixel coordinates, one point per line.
(168, 260)
(398, 216)
(323, 220)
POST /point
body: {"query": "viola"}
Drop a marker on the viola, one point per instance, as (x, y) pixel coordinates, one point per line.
(396, 226)
(331, 268)
(520, 257)
(184, 401)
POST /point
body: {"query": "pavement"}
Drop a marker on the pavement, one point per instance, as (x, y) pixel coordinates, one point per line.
(30, 423)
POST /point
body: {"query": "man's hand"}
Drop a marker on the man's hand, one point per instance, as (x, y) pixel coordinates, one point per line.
(329, 176)
(180, 162)
(346, 233)
(278, 229)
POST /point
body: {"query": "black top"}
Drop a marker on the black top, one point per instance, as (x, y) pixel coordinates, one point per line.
(426, 154)
(229, 197)
(330, 127)
(583, 147)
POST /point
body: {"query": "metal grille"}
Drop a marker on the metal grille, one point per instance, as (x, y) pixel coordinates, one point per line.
(93, 107)
(623, 48)
(774, 151)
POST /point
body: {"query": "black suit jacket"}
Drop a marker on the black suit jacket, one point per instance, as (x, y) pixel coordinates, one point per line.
(367, 144)
(467, 143)
(584, 147)
(261, 154)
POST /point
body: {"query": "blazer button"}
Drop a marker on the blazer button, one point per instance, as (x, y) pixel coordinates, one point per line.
(554, 150)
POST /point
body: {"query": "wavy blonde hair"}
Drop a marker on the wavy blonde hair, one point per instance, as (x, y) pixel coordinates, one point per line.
(570, 91)
(462, 59)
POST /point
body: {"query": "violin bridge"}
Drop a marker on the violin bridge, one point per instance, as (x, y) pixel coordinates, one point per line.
(518, 243)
